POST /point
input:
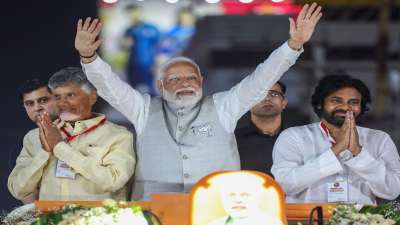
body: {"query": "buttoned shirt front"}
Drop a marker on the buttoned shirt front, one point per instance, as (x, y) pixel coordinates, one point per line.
(103, 161)
(304, 164)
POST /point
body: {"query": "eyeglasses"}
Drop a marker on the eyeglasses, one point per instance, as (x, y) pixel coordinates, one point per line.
(174, 79)
(275, 94)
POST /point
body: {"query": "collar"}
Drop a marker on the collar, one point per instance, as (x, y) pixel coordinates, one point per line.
(325, 131)
(176, 110)
(82, 125)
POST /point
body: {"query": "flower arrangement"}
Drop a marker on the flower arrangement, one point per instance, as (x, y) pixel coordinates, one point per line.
(23, 215)
(389, 210)
(111, 213)
(386, 214)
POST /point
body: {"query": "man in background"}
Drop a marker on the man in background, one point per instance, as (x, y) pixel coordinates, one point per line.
(36, 98)
(81, 157)
(258, 129)
(142, 39)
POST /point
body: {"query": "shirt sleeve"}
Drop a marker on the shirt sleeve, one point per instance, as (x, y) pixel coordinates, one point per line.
(131, 103)
(292, 172)
(232, 104)
(110, 173)
(381, 173)
(24, 179)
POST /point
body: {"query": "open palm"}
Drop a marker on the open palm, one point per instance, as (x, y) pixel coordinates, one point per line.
(302, 29)
(86, 41)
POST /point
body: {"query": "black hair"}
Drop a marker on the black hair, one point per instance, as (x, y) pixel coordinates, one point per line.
(283, 86)
(332, 83)
(30, 86)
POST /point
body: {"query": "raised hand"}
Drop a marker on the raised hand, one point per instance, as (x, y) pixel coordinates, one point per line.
(86, 41)
(301, 30)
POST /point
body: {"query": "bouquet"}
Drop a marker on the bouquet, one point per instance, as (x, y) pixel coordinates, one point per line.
(386, 214)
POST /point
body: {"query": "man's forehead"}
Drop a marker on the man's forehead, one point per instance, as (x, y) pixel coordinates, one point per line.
(348, 92)
(181, 65)
(276, 87)
(66, 88)
(36, 94)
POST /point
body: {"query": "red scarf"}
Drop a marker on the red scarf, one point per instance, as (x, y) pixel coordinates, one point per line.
(325, 129)
(90, 129)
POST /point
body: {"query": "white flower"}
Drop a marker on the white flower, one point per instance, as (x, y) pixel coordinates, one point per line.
(358, 207)
(22, 215)
(349, 214)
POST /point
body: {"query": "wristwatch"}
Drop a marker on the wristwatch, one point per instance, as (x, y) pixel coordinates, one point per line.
(345, 155)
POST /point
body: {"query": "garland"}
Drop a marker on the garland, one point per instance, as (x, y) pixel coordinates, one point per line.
(111, 213)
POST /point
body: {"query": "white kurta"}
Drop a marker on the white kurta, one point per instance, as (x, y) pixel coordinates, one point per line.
(303, 164)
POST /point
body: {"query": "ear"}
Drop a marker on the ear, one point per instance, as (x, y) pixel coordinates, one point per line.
(93, 97)
(159, 85)
(284, 103)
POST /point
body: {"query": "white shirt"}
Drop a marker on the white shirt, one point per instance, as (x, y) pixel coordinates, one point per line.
(303, 164)
(230, 105)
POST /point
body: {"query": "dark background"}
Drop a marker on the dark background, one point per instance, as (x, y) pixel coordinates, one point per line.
(37, 39)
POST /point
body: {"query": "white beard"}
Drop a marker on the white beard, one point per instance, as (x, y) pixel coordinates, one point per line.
(183, 101)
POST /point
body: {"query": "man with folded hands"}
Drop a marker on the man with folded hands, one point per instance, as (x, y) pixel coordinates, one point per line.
(334, 160)
(81, 156)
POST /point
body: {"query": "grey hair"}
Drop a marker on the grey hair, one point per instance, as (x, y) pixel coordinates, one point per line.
(176, 60)
(71, 75)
